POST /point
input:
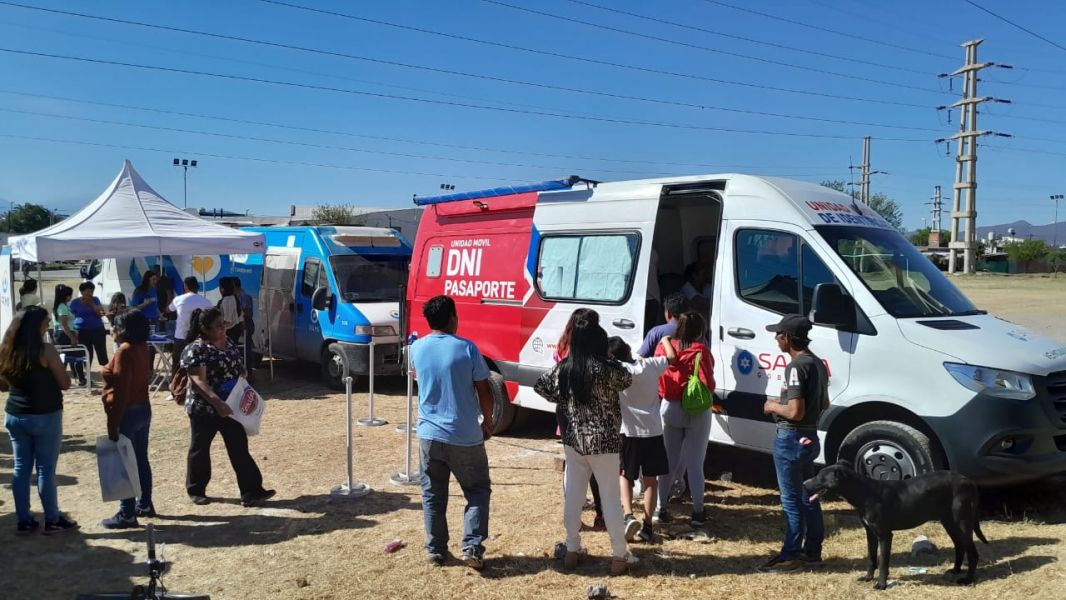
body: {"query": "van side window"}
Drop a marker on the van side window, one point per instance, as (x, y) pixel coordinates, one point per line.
(588, 268)
(310, 280)
(773, 275)
(433, 261)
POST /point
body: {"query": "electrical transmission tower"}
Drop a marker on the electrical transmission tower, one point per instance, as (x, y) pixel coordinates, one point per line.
(964, 200)
(865, 172)
(934, 230)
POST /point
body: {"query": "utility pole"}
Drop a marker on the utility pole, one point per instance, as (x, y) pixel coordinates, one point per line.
(1055, 224)
(865, 172)
(964, 198)
(934, 230)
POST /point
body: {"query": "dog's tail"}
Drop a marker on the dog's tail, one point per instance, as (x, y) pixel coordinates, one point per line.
(980, 534)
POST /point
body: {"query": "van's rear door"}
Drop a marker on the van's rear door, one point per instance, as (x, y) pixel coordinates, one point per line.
(589, 248)
(277, 302)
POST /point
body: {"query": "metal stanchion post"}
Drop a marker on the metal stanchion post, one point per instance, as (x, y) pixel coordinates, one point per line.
(406, 477)
(372, 421)
(349, 490)
(407, 426)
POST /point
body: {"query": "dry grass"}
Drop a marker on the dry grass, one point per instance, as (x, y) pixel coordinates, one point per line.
(307, 545)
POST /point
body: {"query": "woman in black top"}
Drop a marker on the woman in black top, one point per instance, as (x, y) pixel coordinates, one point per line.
(214, 364)
(33, 373)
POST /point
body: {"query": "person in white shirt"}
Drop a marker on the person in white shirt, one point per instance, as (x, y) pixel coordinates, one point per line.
(697, 288)
(184, 305)
(643, 450)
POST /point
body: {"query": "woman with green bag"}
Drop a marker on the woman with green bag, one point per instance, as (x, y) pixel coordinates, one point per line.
(687, 390)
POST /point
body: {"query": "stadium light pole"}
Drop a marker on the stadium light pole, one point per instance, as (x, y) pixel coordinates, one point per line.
(185, 163)
(1055, 224)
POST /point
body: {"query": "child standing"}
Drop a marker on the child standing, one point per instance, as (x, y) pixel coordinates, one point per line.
(643, 449)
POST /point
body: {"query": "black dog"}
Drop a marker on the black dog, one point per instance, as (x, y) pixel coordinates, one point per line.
(887, 506)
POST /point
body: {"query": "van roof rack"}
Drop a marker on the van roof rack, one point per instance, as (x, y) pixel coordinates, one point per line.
(544, 186)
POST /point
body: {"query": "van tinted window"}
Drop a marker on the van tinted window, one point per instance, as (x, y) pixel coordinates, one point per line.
(310, 280)
(588, 268)
(770, 272)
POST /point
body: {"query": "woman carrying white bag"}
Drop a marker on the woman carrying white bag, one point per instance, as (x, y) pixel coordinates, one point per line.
(125, 398)
(212, 361)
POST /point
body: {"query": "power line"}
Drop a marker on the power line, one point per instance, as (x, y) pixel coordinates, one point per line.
(826, 30)
(747, 39)
(569, 116)
(674, 42)
(589, 60)
(495, 79)
(390, 139)
(1015, 25)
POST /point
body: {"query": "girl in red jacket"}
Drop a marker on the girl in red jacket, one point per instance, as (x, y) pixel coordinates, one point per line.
(685, 434)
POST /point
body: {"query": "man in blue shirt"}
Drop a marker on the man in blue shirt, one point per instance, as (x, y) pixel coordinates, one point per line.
(451, 441)
(674, 306)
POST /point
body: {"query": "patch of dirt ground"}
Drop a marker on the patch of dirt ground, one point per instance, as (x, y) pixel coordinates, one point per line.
(305, 544)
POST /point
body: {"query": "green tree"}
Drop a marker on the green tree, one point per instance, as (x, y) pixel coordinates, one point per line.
(1026, 251)
(886, 207)
(27, 218)
(921, 236)
(336, 214)
(1056, 259)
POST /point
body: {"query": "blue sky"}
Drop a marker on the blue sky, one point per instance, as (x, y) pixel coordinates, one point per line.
(399, 131)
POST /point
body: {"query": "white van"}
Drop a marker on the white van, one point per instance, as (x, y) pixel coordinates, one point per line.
(920, 378)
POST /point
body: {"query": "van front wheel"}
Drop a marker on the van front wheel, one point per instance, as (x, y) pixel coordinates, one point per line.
(890, 451)
(502, 409)
(334, 362)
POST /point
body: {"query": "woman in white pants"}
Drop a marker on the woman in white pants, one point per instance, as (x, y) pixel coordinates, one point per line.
(585, 386)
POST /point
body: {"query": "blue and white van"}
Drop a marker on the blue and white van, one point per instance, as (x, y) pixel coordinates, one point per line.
(320, 294)
(326, 293)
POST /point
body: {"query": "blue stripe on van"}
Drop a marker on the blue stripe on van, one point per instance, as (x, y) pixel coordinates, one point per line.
(531, 255)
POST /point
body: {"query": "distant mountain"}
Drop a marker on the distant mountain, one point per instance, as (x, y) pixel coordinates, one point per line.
(1024, 229)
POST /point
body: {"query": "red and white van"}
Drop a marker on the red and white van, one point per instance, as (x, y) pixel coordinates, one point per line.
(920, 378)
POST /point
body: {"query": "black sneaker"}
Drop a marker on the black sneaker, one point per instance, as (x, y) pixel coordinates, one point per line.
(437, 560)
(146, 512)
(28, 527)
(812, 561)
(120, 522)
(60, 525)
(200, 500)
(646, 534)
(698, 519)
(661, 516)
(259, 498)
(632, 526)
(474, 558)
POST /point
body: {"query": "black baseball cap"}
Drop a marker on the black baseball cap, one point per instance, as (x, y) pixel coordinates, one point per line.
(795, 326)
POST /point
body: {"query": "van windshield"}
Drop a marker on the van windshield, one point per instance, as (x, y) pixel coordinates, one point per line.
(369, 278)
(906, 283)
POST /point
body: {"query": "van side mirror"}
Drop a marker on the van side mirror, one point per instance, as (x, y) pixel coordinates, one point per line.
(831, 306)
(320, 300)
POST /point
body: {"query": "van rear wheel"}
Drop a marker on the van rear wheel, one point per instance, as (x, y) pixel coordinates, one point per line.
(502, 409)
(890, 451)
(334, 366)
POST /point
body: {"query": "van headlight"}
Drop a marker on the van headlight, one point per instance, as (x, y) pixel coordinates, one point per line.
(375, 330)
(1001, 384)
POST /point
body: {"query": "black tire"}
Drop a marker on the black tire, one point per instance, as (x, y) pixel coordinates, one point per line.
(502, 411)
(334, 366)
(889, 450)
(521, 418)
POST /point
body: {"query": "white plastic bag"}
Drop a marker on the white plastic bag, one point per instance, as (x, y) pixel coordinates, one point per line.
(247, 406)
(118, 469)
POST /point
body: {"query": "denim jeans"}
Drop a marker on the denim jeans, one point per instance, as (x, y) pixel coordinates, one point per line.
(470, 465)
(804, 530)
(136, 424)
(35, 440)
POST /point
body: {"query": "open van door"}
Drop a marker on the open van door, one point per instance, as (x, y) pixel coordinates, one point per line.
(277, 301)
(581, 255)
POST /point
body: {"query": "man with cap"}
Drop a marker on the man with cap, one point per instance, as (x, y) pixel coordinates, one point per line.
(804, 395)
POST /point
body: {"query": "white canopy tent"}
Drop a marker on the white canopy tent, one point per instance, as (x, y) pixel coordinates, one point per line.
(130, 219)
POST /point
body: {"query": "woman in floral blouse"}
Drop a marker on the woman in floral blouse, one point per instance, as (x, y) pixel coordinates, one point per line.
(214, 364)
(585, 386)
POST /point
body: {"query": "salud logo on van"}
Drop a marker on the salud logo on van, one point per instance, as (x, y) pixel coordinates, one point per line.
(745, 362)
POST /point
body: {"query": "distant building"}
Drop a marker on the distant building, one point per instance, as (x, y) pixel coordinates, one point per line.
(404, 220)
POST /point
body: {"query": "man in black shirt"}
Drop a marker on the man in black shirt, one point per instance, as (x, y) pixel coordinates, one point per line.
(803, 398)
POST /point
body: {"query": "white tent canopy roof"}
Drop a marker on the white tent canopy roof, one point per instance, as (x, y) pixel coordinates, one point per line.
(129, 220)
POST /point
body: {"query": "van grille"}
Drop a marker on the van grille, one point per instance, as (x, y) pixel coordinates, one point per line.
(1056, 391)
